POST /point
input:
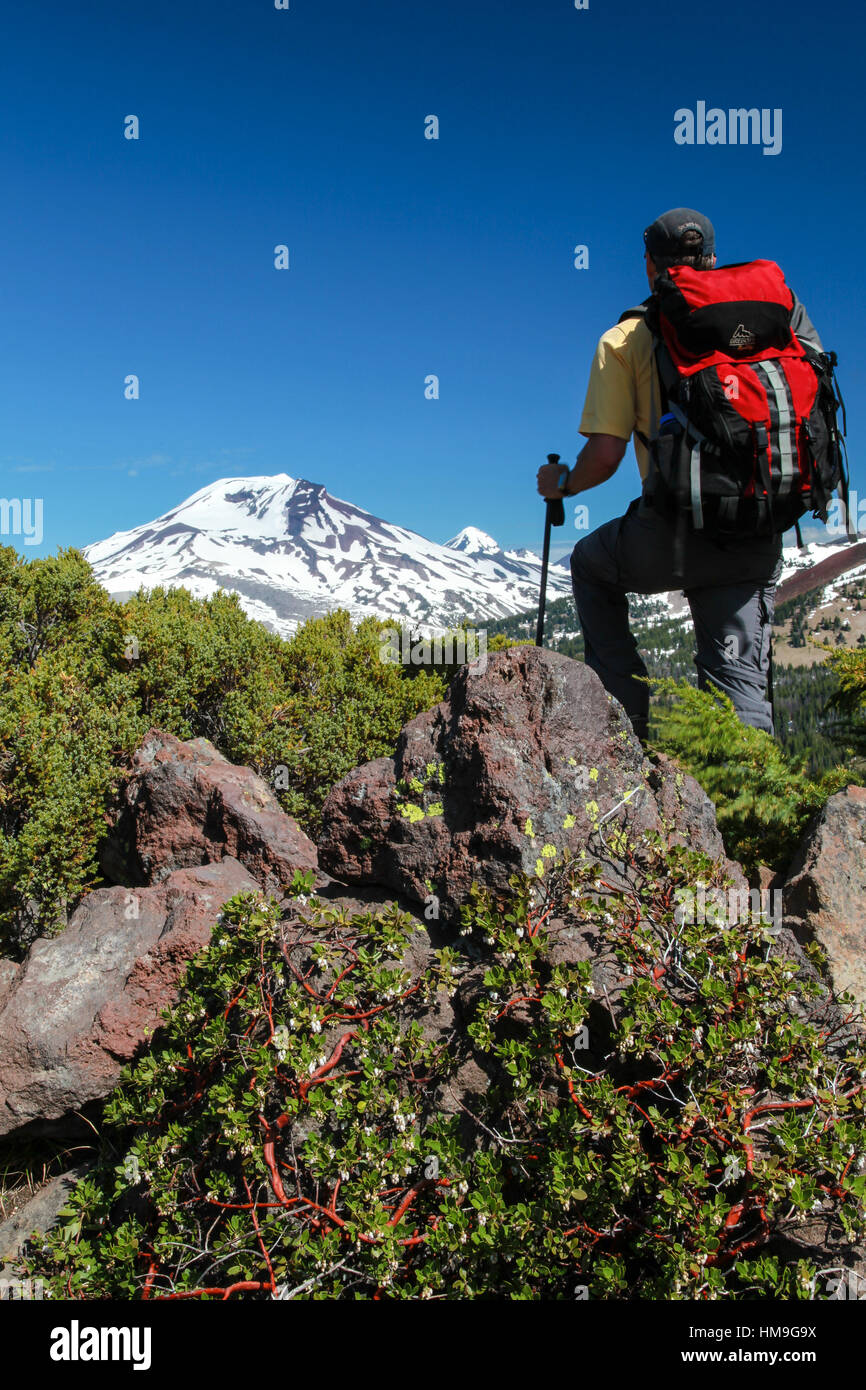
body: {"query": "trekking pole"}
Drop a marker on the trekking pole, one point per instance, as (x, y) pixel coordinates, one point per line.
(554, 516)
(770, 699)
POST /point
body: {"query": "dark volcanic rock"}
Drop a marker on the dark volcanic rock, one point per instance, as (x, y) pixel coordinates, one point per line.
(824, 893)
(82, 1003)
(513, 759)
(39, 1213)
(185, 804)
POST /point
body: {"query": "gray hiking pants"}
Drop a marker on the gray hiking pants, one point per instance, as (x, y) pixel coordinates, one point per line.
(731, 590)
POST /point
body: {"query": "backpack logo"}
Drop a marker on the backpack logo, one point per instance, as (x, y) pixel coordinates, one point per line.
(741, 338)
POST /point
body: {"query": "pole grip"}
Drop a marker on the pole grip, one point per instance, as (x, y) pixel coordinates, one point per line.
(555, 508)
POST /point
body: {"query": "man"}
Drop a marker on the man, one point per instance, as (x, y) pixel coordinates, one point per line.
(730, 584)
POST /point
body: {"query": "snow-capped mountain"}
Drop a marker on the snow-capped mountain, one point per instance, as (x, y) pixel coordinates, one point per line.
(471, 541)
(291, 550)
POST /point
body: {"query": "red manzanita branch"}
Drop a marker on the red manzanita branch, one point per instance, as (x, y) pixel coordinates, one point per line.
(322, 1071)
(341, 976)
(518, 999)
(356, 1016)
(571, 1091)
(242, 1286)
(262, 1247)
(148, 1283)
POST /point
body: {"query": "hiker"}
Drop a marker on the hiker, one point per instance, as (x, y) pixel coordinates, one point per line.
(725, 552)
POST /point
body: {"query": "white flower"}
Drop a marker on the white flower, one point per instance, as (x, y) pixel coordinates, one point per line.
(563, 991)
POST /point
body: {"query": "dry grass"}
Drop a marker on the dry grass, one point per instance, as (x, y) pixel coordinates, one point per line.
(26, 1165)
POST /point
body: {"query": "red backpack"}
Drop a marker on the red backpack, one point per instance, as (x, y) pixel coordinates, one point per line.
(746, 439)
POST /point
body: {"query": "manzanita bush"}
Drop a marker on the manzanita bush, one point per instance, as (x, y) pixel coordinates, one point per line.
(299, 1128)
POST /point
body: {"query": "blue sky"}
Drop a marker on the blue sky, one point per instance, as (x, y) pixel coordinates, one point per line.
(408, 256)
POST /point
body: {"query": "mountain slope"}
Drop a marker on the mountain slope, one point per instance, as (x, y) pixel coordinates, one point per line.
(821, 565)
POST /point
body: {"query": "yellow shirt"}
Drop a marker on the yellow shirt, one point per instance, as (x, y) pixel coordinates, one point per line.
(623, 386)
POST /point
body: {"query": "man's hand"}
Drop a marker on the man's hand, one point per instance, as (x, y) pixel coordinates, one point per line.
(549, 475)
(597, 461)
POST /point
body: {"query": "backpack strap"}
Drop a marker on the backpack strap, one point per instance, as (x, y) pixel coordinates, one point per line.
(842, 447)
(642, 311)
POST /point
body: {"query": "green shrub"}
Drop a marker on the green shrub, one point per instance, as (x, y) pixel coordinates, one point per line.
(762, 800)
(288, 1130)
(849, 700)
(65, 722)
(83, 678)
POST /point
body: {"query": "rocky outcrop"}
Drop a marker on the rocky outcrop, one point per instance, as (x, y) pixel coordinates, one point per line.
(185, 804)
(82, 1003)
(531, 753)
(824, 893)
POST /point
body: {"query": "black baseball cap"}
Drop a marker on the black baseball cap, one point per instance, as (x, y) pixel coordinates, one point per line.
(663, 238)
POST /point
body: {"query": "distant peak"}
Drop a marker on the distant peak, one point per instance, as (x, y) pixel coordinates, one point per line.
(471, 541)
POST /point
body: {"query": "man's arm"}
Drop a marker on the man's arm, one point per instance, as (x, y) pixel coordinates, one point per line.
(597, 461)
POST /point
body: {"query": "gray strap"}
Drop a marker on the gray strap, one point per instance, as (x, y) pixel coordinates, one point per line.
(780, 392)
(695, 475)
(686, 423)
